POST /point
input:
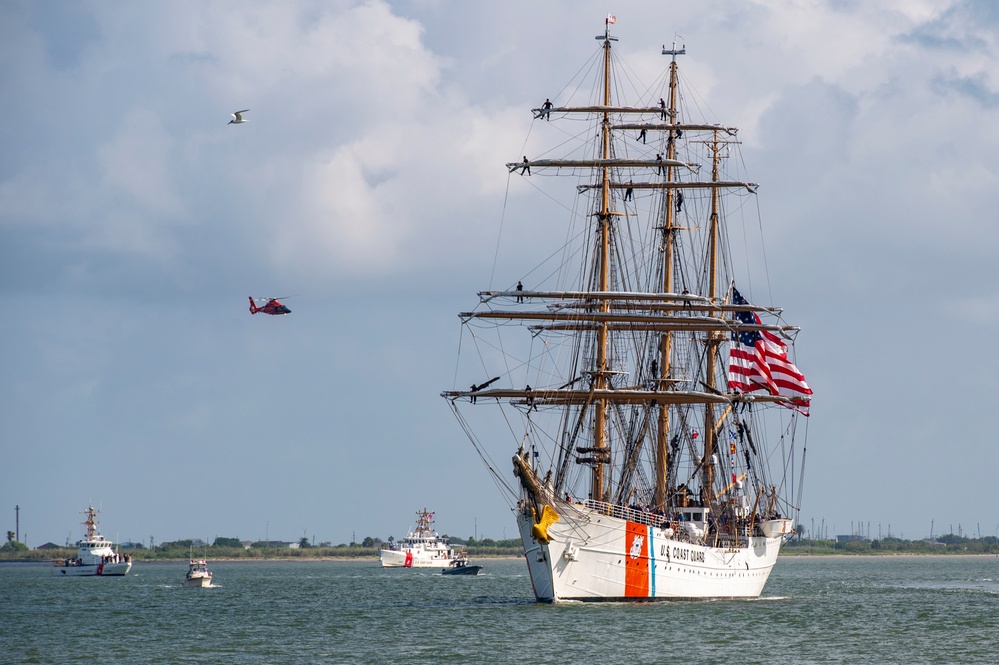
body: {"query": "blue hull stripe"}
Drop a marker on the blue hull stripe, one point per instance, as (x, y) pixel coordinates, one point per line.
(652, 565)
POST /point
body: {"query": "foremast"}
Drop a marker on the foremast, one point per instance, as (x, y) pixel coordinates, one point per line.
(600, 378)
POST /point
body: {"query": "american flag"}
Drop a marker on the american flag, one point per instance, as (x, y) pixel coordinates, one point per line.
(758, 361)
(611, 19)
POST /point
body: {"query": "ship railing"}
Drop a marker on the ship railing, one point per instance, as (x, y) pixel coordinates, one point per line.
(627, 513)
(642, 516)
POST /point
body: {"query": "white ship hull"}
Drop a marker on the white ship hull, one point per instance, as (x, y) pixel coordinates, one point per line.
(595, 557)
(409, 559)
(92, 570)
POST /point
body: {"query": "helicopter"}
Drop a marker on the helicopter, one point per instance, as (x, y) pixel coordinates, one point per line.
(273, 306)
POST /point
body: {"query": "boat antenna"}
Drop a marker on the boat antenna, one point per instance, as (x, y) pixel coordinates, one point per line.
(674, 51)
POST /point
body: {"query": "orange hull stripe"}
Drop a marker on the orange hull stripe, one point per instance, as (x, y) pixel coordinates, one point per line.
(636, 561)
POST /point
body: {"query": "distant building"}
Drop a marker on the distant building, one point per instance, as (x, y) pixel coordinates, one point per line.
(275, 544)
(855, 538)
(49, 546)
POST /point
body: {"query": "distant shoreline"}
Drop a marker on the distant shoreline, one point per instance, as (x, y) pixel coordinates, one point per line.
(258, 559)
(375, 560)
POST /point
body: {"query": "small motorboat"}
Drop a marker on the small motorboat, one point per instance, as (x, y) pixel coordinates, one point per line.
(198, 575)
(460, 566)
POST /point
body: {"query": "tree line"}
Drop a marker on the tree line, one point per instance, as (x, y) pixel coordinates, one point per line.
(948, 544)
(234, 548)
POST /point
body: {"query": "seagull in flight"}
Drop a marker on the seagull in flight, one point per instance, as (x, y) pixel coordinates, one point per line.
(238, 118)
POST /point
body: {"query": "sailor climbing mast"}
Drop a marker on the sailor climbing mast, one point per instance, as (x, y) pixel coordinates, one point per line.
(600, 456)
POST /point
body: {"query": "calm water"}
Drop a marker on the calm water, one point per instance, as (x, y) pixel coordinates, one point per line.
(817, 610)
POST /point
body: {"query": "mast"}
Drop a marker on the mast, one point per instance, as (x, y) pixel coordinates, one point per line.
(597, 483)
(715, 337)
(666, 340)
(91, 523)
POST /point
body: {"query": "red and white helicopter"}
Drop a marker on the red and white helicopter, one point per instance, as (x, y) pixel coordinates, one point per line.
(272, 306)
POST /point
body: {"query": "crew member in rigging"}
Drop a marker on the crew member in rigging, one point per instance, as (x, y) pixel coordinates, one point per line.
(546, 109)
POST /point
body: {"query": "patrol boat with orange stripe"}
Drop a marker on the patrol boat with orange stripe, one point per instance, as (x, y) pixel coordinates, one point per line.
(95, 555)
(646, 467)
(422, 547)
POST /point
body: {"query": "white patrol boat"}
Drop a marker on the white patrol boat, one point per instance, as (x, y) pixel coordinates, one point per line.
(95, 555)
(422, 548)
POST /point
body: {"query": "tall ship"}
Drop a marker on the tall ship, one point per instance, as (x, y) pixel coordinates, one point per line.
(422, 547)
(652, 407)
(95, 555)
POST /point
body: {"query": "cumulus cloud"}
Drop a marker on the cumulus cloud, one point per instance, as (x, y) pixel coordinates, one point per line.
(353, 148)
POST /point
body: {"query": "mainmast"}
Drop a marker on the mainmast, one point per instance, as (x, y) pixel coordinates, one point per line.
(715, 337)
(666, 340)
(598, 483)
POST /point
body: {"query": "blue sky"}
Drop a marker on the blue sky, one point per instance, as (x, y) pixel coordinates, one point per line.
(134, 223)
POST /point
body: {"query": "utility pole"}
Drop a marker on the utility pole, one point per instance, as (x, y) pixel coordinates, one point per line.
(17, 522)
